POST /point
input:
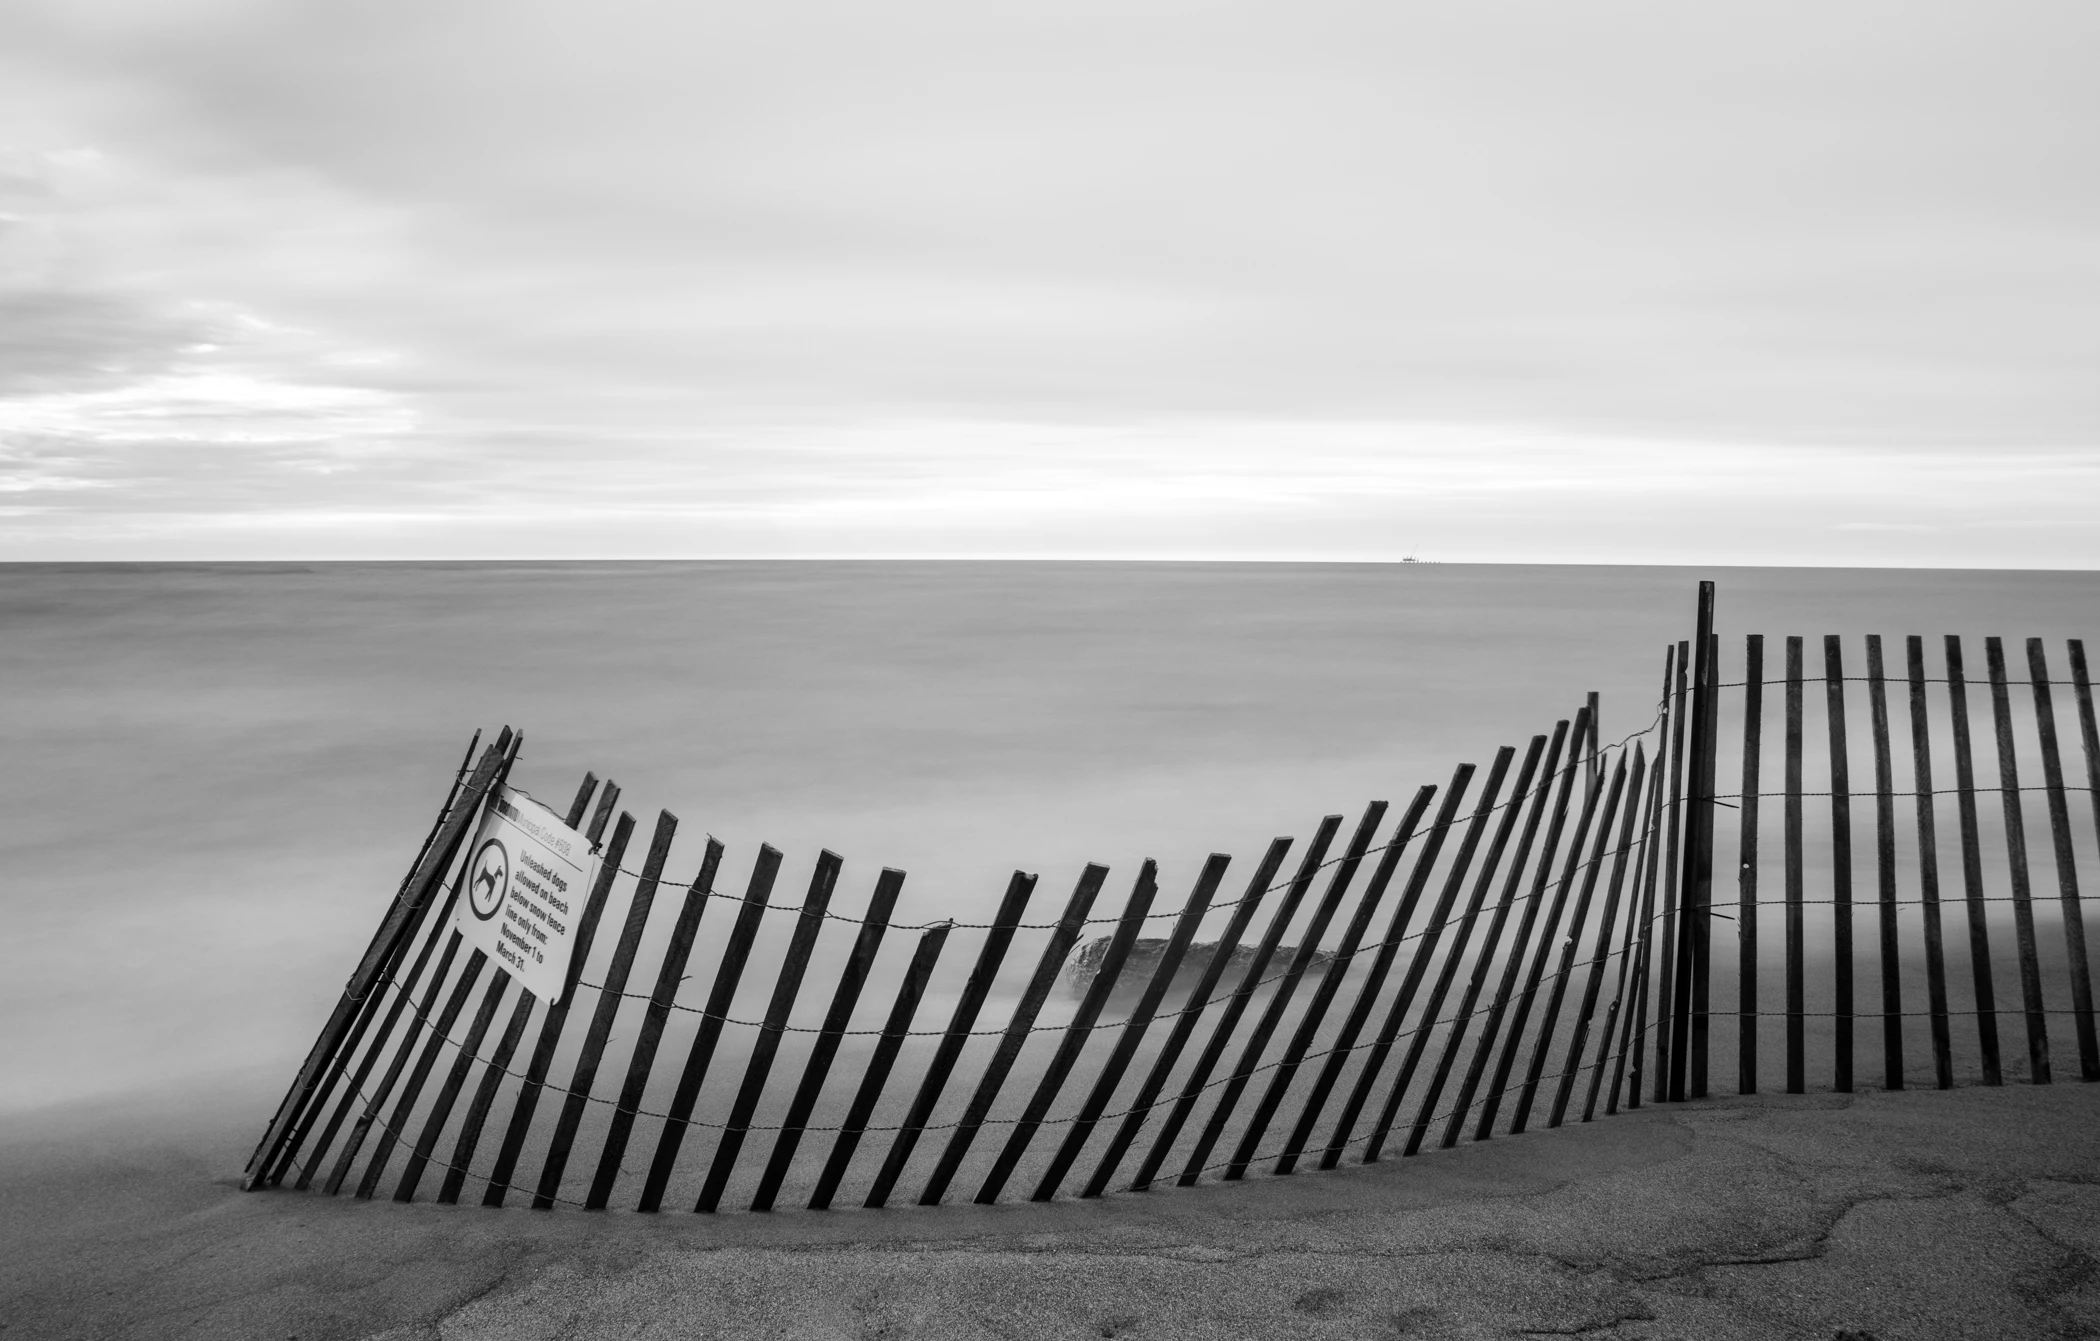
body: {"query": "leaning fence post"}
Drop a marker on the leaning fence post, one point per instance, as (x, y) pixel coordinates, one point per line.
(641, 1061)
(407, 909)
(1633, 970)
(1549, 1022)
(989, 956)
(1135, 1025)
(1972, 867)
(840, 1014)
(894, 1031)
(440, 1033)
(1018, 1026)
(2016, 861)
(1666, 1043)
(1513, 953)
(1461, 937)
(1192, 1084)
(1505, 1064)
(1929, 863)
(557, 1016)
(1344, 1043)
(610, 994)
(1075, 1033)
(2066, 869)
(1250, 1056)
(1186, 1019)
(809, 921)
(1425, 949)
(1433, 1092)
(301, 1124)
(700, 1054)
(1599, 957)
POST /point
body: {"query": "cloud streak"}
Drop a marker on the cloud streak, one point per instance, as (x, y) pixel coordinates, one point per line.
(1512, 281)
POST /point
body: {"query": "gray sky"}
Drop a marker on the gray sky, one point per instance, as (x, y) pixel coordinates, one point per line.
(1783, 283)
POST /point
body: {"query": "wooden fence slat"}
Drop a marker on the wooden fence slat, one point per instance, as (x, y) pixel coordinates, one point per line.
(477, 1113)
(326, 1057)
(376, 1100)
(1308, 941)
(989, 956)
(844, 998)
(2088, 730)
(1600, 957)
(1410, 983)
(1840, 854)
(1235, 1006)
(1651, 915)
(299, 1124)
(1185, 1022)
(1513, 952)
(1929, 862)
(1510, 995)
(1074, 1037)
(2016, 861)
(557, 1013)
(1272, 1017)
(1344, 1043)
(802, 942)
(1796, 982)
(498, 1065)
(1633, 966)
(656, 1017)
(351, 1094)
(1447, 971)
(599, 1031)
(1666, 982)
(1527, 775)
(1549, 926)
(1746, 864)
(2066, 863)
(448, 1092)
(894, 1030)
(1426, 940)
(412, 1089)
(1134, 1026)
(1018, 1026)
(1885, 867)
(1972, 867)
(1549, 1021)
(1697, 890)
(721, 1000)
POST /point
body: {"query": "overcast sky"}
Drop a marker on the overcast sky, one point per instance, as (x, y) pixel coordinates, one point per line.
(1767, 283)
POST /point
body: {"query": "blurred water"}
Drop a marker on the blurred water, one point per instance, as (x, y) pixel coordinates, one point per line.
(218, 772)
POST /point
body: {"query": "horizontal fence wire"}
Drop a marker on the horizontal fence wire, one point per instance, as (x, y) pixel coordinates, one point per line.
(1456, 821)
(1899, 681)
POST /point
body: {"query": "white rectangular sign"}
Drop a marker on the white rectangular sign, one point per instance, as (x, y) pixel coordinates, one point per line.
(528, 874)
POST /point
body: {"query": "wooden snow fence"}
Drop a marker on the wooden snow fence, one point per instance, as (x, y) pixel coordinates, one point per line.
(1524, 947)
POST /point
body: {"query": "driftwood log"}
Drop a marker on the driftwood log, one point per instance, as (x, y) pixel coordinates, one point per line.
(1144, 962)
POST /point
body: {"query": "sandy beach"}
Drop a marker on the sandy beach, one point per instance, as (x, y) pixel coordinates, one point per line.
(1968, 1213)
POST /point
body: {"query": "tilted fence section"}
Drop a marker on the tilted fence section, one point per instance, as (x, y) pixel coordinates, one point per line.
(1529, 945)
